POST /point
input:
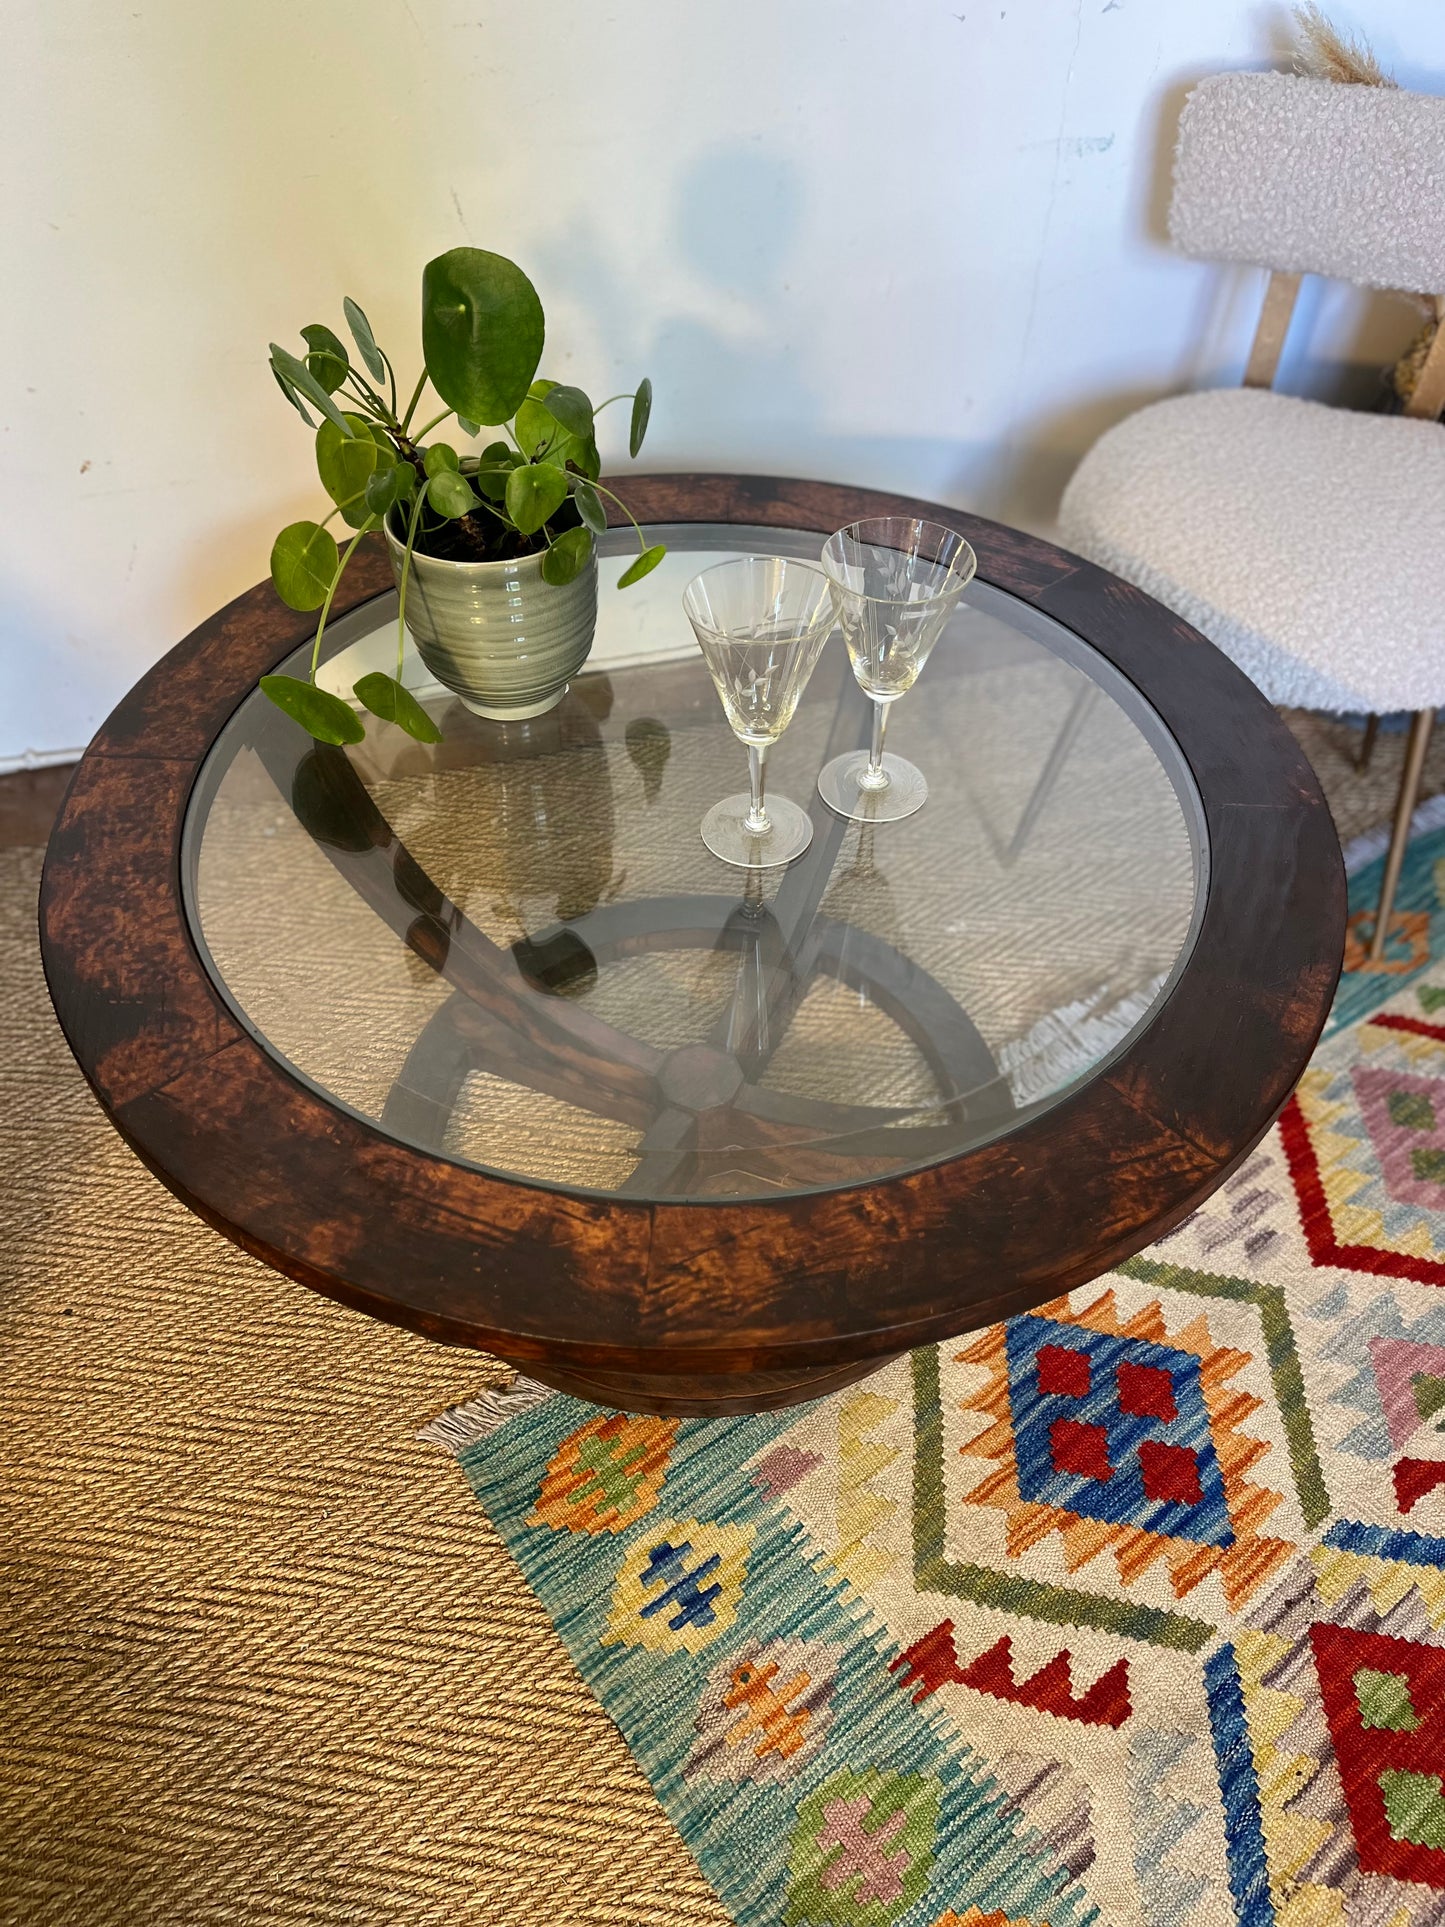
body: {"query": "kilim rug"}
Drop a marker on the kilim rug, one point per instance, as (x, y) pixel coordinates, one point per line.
(1131, 1610)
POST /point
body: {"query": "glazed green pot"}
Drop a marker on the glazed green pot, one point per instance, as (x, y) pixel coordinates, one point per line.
(495, 633)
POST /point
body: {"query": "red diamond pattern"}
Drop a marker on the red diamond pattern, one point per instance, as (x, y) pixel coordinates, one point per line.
(1170, 1473)
(1063, 1371)
(1080, 1448)
(1146, 1391)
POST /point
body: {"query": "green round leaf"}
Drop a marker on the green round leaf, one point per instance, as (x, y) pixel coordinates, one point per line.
(572, 408)
(498, 456)
(345, 467)
(589, 507)
(385, 697)
(644, 565)
(320, 340)
(439, 456)
(586, 458)
(641, 414)
(301, 377)
(482, 330)
(567, 557)
(304, 561)
(327, 359)
(449, 494)
(538, 430)
(388, 486)
(290, 393)
(534, 492)
(328, 371)
(330, 719)
(468, 427)
(361, 334)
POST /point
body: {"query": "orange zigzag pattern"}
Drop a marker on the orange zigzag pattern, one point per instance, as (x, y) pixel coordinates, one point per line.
(1242, 1567)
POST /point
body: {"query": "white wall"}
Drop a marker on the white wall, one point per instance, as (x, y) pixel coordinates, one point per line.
(911, 243)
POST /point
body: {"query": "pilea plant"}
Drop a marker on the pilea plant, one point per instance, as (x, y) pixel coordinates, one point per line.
(535, 490)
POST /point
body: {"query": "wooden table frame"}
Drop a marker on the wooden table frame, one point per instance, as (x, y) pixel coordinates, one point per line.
(714, 1306)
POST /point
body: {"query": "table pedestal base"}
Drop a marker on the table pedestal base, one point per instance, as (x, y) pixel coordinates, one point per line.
(681, 1396)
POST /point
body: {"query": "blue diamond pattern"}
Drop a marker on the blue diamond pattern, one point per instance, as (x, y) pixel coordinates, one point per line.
(1121, 1499)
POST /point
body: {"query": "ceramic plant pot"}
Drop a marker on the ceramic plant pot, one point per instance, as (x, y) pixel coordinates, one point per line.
(495, 633)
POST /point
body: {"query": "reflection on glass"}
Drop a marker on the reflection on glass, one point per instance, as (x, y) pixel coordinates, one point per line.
(895, 583)
(649, 744)
(761, 622)
(512, 949)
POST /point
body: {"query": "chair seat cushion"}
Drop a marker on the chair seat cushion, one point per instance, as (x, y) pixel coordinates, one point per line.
(1307, 542)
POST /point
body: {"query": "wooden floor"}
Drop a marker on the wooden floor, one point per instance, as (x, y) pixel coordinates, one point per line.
(28, 803)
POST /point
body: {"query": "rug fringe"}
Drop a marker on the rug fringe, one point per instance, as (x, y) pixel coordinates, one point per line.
(462, 1425)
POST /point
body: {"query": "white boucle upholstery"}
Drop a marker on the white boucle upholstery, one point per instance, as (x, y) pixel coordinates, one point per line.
(1315, 177)
(1307, 542)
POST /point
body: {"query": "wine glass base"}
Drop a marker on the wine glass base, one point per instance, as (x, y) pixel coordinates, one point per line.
(840, 788)
(727, 836)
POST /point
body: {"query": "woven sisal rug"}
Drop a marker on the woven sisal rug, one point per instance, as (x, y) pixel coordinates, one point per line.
(1131, 1610)
(258, 1665)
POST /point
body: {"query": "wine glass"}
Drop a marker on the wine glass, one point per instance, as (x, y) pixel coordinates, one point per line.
(761, 622)
(896, 581)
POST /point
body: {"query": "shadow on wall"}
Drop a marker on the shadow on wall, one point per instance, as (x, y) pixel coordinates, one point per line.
(737, 369)
(736, 223)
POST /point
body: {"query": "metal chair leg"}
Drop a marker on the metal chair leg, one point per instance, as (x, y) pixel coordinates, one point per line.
(1367, 747)
(1421, 724)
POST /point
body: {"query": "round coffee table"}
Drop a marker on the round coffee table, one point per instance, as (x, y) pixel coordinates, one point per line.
(479, 1038)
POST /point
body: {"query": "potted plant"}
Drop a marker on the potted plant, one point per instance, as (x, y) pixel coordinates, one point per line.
(493, 552)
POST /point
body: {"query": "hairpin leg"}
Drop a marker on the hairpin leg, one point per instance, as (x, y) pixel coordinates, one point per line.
(1421, 724)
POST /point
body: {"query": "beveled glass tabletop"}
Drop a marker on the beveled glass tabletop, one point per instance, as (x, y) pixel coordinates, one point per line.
(512, 948)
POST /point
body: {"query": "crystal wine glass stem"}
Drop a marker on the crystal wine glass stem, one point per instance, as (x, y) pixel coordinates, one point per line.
(875, 777)
(756, 821)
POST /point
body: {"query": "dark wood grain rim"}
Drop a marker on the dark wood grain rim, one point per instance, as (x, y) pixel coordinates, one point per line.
(813, 1281)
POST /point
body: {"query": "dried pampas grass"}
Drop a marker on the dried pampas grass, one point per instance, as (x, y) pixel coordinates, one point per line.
(1324, 53)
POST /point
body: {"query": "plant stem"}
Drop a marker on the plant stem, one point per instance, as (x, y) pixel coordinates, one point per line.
(391, 378)
(405, 422)
(641, 538)
(756, 821)
(435, 422)
(326, 605)
(370, 402)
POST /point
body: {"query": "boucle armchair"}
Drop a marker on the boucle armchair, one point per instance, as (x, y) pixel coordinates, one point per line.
(1308, 542)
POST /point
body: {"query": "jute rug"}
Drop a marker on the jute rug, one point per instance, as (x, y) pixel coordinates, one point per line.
(260, 1659)
(1131, 1610)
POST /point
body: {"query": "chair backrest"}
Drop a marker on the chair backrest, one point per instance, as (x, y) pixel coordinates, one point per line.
(1314, 177)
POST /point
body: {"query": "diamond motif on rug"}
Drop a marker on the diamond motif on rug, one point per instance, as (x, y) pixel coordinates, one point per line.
(1121, 1440)
(606, 1475)
(1336, 1700)
(862, 1849)
(765, 1711)
(1385, 1701)
(1366, 1148)
(679, 1586)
